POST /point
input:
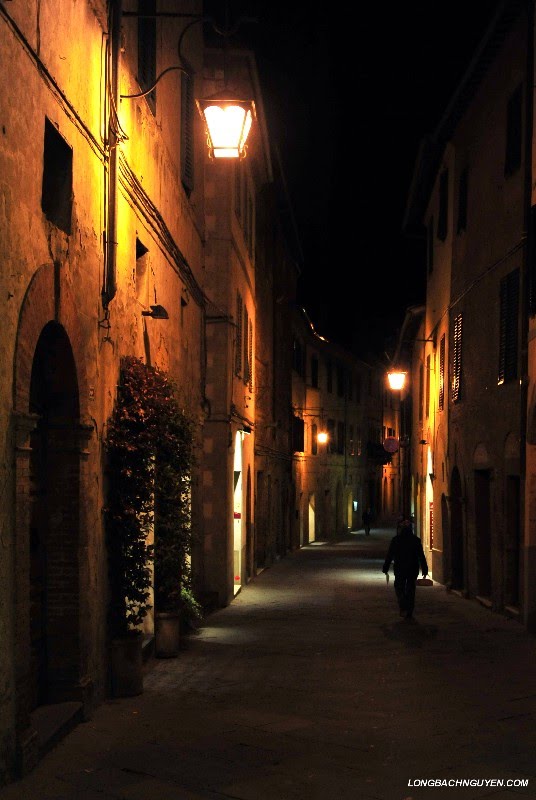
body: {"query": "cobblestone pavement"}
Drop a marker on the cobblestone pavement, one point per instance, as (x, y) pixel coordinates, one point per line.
(309, 686)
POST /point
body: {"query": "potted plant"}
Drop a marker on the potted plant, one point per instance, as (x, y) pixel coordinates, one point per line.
(129, 517)
(173, 524)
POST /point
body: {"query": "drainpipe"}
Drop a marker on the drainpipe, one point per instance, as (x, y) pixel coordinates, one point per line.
(110, 271)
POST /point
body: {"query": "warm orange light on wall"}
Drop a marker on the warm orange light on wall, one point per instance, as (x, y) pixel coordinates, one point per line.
(397, 379)
(228, 123)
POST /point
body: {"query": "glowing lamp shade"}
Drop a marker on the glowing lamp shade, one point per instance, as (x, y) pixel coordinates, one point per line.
(228, 123)
(322, 437)
(397, 379)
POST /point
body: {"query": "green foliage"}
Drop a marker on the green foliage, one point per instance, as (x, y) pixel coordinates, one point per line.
(150, 448)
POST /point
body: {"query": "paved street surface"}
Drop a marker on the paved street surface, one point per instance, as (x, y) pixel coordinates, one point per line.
(311, 687)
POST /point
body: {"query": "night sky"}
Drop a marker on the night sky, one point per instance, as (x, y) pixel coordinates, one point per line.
(394, 68)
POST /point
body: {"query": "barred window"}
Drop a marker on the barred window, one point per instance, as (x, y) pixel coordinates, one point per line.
(457, 359)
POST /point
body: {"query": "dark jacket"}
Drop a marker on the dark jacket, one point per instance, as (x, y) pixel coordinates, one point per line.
(406, 551)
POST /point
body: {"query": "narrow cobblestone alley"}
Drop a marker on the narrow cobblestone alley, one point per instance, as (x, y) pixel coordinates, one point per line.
(310, 686)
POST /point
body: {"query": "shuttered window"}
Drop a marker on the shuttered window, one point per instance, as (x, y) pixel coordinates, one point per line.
(246, 345)
(443, 216)
(421, 391)
(250, 357)
(187, 133)
(442, 373)
(428, 376)
(147, 50)
(508, 327)
(238, 349)
(457, 359)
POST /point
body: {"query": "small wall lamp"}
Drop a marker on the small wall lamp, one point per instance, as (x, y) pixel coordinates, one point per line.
(156, 312)
(322, 437)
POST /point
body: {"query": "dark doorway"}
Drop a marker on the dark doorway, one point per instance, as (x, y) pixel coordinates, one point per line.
(512, 542)
(457, 560)
(483, 532)
(54, 519)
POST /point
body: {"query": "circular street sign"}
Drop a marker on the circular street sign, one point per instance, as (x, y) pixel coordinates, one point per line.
(390, 444)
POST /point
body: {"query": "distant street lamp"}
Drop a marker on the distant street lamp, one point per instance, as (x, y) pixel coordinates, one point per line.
(397, 379)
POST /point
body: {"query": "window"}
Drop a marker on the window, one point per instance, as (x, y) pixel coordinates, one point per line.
(314, 439)
(457, 359)
(187, 133)
(147, 50)
(314, 372)
(340, 380)
(508, 327)
(514, 111)
(245, 344)
(341, 435)
(462, 201)
(443, 215)
(329, 372)
(428, 369)
(351, 443)
(57, 188)
(250, 356)
(141, 275)
(298, 439)
(430, 246)
(297, 356)
(358, 388)
(238, 351)
(331, 436)
(442, 373)
(421, 391)
(238, 191)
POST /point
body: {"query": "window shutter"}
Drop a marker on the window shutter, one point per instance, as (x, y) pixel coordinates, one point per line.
(187, 132)
(238, 351)
(147, 50)
(245, 345)
(443, 216)
(457, 359)
(508, 326)
(442, 373)
(250, 356)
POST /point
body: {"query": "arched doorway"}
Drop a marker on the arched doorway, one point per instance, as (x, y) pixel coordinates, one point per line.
(457, 559)
(54, 602)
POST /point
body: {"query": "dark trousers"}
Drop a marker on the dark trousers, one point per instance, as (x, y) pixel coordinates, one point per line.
(405, 592)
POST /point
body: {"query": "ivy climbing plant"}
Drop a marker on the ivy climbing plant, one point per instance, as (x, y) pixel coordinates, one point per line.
(150, 455)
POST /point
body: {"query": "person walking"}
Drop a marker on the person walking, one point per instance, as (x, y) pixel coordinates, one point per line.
(367, 520)
(407, 554)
